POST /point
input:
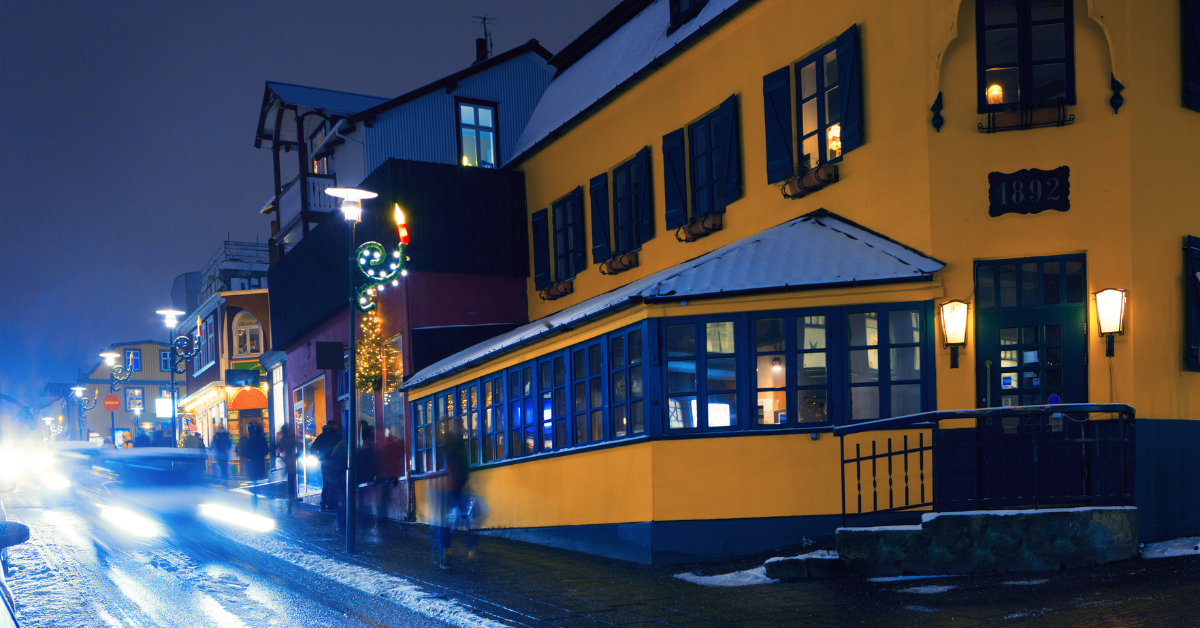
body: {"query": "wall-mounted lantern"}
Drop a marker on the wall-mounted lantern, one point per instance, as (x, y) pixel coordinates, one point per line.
(1110, 314)
(954, 327)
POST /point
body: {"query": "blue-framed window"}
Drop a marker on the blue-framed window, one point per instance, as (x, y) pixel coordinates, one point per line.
(164, 361)
(570, 252)
(494, 425)
(477, 134)
(818, 108)
(627, 389)
(791, 369)
(443, 408)
(702, 379)
(587, 396)
(135, 399)
(523, 415)
(884, 361)
(423, 438)
(1025, 52)
(552, 401)
(468, 417)
(133, 359)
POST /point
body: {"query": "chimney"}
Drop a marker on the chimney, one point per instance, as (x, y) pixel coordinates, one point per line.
(481, 49)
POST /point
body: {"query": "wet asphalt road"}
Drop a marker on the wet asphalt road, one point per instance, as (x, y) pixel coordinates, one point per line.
(58, 580)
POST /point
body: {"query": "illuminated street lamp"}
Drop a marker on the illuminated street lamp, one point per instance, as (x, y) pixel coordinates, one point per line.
(116, 374)
(84, 406)
(182, 349)
(954, 327)
(1110, 315)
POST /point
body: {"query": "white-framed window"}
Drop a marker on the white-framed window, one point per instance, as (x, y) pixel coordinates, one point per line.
(210, 341)
(477, 134)
(247, 335)
(133, 359)
(164, 361)
(135, 399)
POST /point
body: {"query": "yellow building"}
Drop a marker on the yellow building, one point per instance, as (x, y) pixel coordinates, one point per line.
(745, 219)
(148, 365)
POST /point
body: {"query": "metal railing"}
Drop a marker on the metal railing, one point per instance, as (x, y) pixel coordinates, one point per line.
(1065, 455)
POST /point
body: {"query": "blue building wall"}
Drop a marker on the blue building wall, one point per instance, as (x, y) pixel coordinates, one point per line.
(426, 129)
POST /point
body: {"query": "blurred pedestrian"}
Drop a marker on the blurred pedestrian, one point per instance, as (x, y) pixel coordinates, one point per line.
(285, 444)
(221, 444)
(336, 481)
(456, 503)
(142, 439)
(253, 452)
(322, 447)
(163, 438)
(391, 468)
(192, 441)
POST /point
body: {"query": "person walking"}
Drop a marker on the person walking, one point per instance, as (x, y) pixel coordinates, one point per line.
(253, 452)
(221, 444)
(337, 483)
(285, 444)
(456, 504)
(322, 447)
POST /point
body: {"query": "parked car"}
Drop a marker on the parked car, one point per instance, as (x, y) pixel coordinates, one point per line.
(149, 496)
(11, 533)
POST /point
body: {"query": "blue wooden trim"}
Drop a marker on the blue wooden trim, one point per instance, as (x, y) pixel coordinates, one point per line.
(927, 419)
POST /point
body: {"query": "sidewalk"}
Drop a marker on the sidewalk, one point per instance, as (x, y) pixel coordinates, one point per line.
(521, 584)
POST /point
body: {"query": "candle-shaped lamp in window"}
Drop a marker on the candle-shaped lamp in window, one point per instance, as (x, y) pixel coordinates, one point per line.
(835, 141)
(995, 94)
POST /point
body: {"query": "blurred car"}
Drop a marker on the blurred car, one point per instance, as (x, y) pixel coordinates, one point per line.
(148, 496)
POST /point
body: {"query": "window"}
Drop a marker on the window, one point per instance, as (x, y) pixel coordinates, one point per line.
(319, 166)
(587, 393)
(627, 413)
(569, 254)
(198, 347)
(477, 134)
(468, 416)
(701, 375)
(828, 108)
(884, 358)
(210, 341)
(791, 369)
(524, 419)
(135, 400)
(632, 214)
(709, 154)
(443, 406)
(1025, 54)
(247, 335)
(164, 361)
(133, 359)
(682, 11)
(423, 436)
(552, 401)
(494, 426)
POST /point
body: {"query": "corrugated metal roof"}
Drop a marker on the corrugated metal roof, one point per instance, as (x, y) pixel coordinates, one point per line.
(326, 99)
(818, 250)
(639, 44)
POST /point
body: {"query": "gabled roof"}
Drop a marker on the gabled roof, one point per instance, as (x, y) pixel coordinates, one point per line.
(449, 82)
(818, 250)
(627, 44)
(278, 95)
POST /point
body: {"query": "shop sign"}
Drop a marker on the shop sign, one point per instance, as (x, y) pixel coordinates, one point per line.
(1029, 191)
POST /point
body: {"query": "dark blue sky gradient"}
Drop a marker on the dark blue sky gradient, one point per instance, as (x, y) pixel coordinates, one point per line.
(127, 154)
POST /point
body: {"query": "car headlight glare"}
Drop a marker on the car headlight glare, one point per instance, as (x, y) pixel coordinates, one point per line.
(130, 522)
(237, 517)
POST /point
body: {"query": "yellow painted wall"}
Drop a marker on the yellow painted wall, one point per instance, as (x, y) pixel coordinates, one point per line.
(99, 419)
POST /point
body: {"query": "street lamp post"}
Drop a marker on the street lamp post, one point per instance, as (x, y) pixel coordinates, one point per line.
(84, 406)
(182, 350)
(116, 374)
(352, 209)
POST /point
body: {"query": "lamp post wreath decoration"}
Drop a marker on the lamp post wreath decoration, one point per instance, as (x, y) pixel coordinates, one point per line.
(379, 267)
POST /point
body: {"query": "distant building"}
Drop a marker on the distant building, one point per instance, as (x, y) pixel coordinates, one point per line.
(149, 364)
(185, 292)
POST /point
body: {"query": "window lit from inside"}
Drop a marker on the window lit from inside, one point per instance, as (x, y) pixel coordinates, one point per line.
(247, 335)
(819, 108)
(133, 359)
(477, 135)
(1025, 52)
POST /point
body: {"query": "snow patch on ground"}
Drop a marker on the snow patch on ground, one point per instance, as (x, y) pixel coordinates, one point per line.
(817, 554)
(1185, 546)
(1026, 583)
(758, 575)
(933, 588)
(372, 582)
(922, 609)
(902, 578)
(930, 516)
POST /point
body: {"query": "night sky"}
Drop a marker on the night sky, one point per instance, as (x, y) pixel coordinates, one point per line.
(127, 154)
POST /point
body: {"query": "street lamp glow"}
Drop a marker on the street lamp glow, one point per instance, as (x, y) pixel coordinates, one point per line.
(170, 317)
(351, 201)
(110, 358)
(79, 390)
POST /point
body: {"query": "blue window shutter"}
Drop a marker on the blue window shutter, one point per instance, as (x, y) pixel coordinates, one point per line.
(726, 163)
(675, 179)
(578, 250)
(598, 189)
(777, 105)
(541, 249)
(642, 200)
(1191, 54)
(850, 88)
(1192, 294)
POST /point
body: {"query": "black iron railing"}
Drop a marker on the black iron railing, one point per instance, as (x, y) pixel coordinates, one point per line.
(1066, 455)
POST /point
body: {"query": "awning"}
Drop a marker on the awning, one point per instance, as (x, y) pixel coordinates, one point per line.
(817, 250)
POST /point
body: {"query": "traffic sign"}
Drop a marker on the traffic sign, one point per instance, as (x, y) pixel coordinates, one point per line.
(112, 403)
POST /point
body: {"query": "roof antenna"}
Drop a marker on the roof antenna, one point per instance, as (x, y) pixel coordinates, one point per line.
(483, 45)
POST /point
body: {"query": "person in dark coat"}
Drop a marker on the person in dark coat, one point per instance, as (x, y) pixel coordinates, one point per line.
(142, 439)
(456, 499)
(221, 444)
(322, 447)
(163, 438)
(285, 444)
(336, 481)
(253, 452)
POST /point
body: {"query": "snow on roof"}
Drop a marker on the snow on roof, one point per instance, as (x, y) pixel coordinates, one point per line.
(817, 250)
(635, 45)
(326, 99)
